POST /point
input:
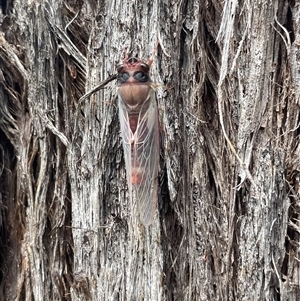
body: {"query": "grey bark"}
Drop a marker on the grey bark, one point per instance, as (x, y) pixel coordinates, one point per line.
(227, 224)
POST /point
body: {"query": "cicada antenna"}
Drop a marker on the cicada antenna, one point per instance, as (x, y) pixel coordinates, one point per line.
(154, 53)
(125, 48)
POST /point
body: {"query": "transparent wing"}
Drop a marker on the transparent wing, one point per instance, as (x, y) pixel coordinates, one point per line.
(127, 137)
(146, 159)
(141, 150)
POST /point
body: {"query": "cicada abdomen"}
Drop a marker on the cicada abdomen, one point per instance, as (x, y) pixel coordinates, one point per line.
(140, 133)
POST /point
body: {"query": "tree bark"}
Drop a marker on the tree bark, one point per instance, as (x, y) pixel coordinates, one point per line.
(227, 225)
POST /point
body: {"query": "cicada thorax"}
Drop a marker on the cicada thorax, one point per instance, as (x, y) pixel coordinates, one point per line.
(137, 112)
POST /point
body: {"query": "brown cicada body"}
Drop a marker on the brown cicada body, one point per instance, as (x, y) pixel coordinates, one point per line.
(140, 133)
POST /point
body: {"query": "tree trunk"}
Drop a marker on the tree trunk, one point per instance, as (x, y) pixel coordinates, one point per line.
(227, 225)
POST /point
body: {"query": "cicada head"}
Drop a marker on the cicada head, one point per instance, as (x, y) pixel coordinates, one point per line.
(134, 80)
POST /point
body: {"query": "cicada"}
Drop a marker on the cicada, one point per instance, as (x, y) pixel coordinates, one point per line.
(140, 133)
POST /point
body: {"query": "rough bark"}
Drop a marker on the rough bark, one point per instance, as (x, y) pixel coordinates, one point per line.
(227, 224)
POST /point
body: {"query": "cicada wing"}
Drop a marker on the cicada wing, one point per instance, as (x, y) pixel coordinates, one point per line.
(146, 159)
(141, 153)
(127, 138)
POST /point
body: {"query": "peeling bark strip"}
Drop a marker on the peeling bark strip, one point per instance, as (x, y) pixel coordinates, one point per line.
(229, 200)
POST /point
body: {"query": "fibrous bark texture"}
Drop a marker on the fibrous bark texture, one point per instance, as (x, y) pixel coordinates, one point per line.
(227, 225)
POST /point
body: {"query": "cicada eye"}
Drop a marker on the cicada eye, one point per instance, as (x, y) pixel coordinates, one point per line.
(123, 77)
(141, 76)
(119, 67)
(145, 67)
